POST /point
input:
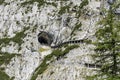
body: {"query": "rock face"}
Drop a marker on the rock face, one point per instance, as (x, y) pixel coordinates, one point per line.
(45, 19)
(111, 1)
(58, 20)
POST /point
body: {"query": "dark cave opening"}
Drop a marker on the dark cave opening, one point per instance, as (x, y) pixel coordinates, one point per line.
(45, 38)
(42, 40)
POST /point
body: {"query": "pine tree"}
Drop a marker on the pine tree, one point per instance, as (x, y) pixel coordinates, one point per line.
(108, 45)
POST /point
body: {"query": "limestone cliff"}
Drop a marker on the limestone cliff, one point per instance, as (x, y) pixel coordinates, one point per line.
(22, 20)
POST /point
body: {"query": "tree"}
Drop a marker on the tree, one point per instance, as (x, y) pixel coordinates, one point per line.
(108, 45)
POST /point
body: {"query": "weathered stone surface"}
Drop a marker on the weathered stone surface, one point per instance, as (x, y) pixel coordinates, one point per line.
(117, 11)
(111, 1)
(43, 21)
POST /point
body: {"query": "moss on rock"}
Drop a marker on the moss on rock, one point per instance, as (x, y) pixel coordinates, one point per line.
(58, 53)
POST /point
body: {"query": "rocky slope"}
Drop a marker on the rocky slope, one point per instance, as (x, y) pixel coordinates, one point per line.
(22, 20)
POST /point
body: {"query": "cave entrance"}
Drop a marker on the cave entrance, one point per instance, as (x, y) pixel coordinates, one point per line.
(42, 40)
(45, 38)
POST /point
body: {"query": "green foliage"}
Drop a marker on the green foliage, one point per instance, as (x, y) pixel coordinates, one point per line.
(1, 1)
(18, 38)
(101, 77)
(81, 8)
(84, 3)
(113, 78)
(76, 27)
(5, 40)
(51, 3)
(107, 47)
(58, 53)
(78, 9)
(5, 58)
(4, 76)
(64, 9)
(41, 2)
